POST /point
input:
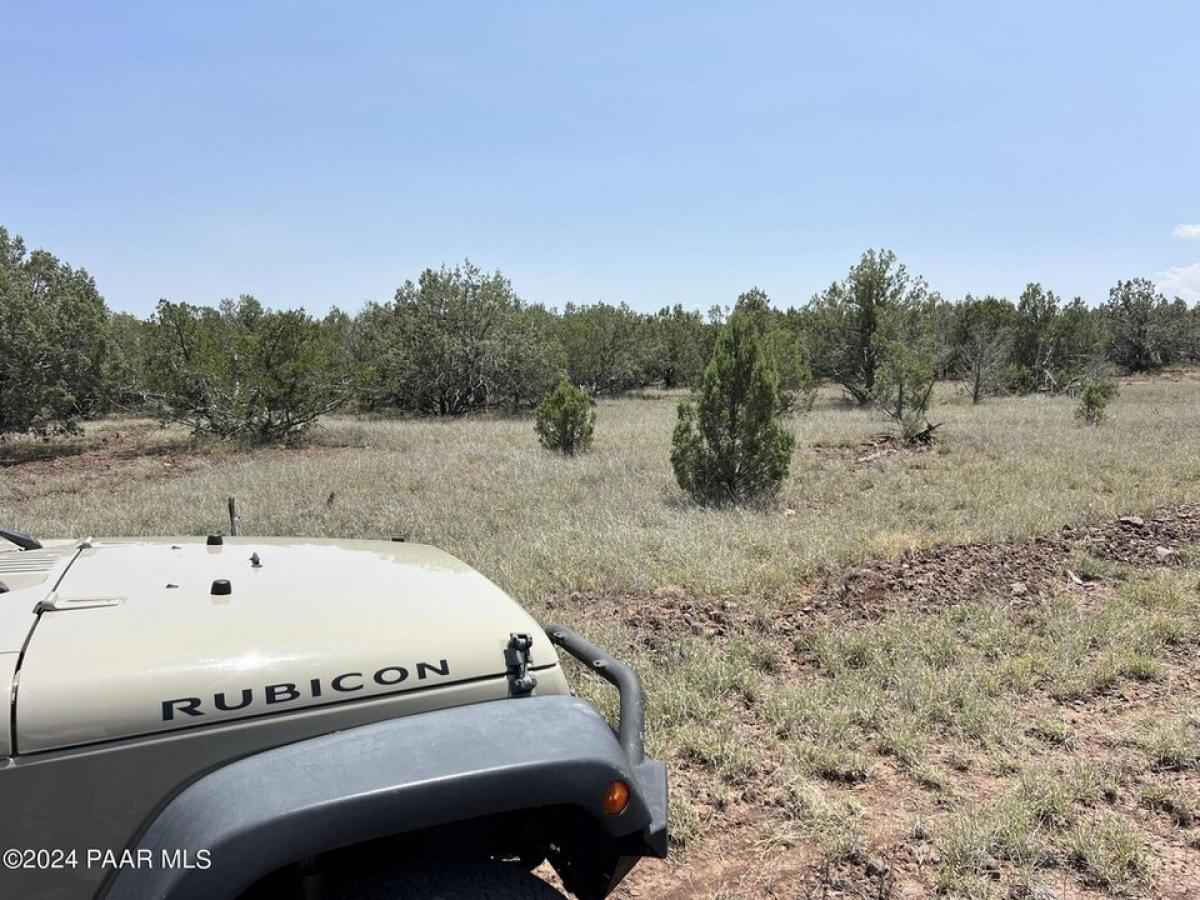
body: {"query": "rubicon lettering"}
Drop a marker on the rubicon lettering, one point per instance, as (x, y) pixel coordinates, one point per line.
(286, 692)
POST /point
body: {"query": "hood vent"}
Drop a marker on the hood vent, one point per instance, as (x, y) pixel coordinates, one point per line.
(30, 561)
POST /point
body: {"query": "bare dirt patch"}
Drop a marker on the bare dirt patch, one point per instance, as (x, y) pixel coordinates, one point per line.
(111, 457)
(114, 457)
(876, 448)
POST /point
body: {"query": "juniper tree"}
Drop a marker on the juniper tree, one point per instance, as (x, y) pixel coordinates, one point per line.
(906, 351)
(456, 341)
(609, 348)
(730, 446)
(1094, 396)
(677, 347)
(904, 386)
(565, 420)
(54, 341)
(241, 371)
(1143, 329)
(983, 338)
(782, 344)
(797, 387)
(849, 319)
(1035, 341)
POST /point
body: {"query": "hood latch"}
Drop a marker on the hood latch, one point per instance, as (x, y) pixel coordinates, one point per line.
(516, 663)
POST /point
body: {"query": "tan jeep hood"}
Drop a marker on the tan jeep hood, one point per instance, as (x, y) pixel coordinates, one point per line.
(134, 640)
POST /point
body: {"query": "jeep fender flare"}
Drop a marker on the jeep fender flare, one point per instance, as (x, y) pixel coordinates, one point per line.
(263, 812)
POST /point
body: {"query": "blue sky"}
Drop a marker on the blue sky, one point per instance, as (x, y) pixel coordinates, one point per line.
(652, 153)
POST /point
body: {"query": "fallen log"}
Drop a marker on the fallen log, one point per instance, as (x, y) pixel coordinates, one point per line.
(925, 435)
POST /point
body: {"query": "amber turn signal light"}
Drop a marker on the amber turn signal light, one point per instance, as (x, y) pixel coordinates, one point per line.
(616, 798)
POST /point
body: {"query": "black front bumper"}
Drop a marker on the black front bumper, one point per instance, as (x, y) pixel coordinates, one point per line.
(403, 775)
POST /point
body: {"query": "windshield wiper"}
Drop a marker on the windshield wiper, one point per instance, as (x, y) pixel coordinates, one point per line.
(22, 540)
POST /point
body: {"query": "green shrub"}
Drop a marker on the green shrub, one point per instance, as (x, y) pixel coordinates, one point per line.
(729, 447)
(1094, 397)
(1016, 379)
(565, 420)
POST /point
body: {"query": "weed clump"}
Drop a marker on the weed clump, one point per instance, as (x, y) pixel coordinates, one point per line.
(1173, 747)
(1109, 852)
(1182, 807)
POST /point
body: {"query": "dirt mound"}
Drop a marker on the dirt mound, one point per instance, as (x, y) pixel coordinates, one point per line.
(942, 576)
(922, 581)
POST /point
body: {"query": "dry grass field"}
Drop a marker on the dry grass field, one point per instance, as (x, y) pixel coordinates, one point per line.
(902, 678)
(614, 520)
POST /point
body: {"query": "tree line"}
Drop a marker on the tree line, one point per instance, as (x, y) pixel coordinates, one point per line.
(459, 340)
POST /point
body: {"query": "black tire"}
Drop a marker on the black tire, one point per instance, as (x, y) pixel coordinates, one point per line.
(458, 881)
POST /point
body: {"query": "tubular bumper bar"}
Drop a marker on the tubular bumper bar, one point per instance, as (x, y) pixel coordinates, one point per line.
(632, 725)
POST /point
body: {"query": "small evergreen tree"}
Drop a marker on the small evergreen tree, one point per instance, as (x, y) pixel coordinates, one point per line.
(1094, 397)
(784, 349)
(565, 420)
(797, 387)
(730, 447)
(906, 369)
(1035, 352)
(904, 386)
(983, 340)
